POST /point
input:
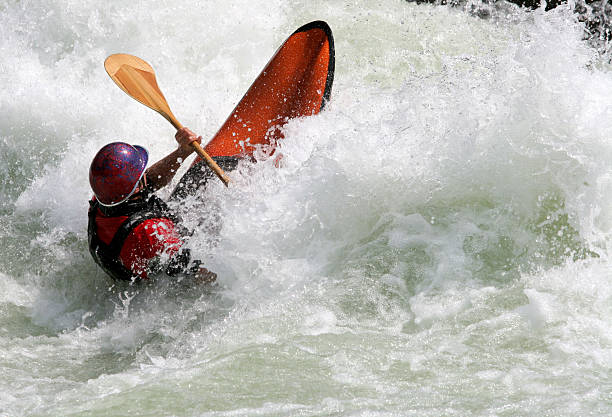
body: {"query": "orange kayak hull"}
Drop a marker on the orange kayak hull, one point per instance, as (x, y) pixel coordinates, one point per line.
(296, 82)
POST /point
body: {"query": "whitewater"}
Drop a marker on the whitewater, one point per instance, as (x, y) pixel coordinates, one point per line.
(435, 242)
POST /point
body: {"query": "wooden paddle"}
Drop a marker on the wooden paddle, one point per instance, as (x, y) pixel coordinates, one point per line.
(137, 79)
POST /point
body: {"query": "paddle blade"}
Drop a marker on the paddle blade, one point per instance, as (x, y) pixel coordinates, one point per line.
(295, 83)
(137, 78)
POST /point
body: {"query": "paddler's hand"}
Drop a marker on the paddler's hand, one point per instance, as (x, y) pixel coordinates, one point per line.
(185, 138)
(204, 276)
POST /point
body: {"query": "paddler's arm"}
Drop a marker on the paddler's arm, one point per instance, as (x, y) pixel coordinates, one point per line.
(204, 276)
(181, 263)
(162, 172)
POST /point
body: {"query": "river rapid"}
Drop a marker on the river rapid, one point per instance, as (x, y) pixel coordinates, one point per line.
(436, 241)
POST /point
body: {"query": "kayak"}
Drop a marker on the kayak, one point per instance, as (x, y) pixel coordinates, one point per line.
(296, 82)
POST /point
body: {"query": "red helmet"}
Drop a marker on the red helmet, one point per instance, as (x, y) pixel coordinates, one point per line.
(115, 172)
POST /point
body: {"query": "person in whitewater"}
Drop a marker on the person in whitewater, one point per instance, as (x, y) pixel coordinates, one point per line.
(132, 233)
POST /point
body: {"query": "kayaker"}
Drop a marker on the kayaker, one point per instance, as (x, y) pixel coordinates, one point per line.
(132, 233)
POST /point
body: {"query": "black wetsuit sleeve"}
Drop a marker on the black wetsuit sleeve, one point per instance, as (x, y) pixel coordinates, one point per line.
(181, 263)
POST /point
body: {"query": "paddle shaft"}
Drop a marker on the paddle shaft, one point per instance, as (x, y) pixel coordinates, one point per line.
(159, 104)
(202, 153)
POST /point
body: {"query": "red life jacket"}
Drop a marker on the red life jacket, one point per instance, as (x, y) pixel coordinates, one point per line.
(124, 240)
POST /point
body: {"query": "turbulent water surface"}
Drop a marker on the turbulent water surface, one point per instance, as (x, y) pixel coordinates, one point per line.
(437, 241)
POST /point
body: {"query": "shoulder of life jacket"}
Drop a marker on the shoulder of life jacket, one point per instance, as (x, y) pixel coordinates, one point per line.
(148, 232)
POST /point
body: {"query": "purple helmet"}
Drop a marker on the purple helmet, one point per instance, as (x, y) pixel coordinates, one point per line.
(115, 172)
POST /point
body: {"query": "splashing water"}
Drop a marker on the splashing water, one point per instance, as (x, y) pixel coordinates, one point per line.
(436, 242)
